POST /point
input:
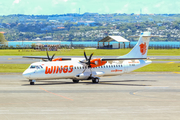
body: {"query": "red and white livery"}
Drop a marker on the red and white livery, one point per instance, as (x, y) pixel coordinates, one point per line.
(87, 68)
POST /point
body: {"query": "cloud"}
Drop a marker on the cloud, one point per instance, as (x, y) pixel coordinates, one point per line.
(159, 4)
(125, 6)
(37, 10)
(16, 2)
(55, 2)
(145, 10)
(73, 3)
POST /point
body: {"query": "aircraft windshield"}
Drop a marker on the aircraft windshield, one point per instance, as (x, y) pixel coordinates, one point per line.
(36, 66)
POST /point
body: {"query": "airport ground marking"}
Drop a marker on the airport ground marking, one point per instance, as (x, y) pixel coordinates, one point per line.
(177, 72)
(56, 94)
(170, 62)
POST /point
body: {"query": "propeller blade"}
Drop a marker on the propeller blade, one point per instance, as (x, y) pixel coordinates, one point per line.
(85, 55)
(89, 61)
(52, 57)
(48, 56)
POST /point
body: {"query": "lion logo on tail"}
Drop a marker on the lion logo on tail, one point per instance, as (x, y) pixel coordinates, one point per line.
(143, 48)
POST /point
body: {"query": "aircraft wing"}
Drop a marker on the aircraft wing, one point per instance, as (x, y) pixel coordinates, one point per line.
(112, 59)
(33, 57)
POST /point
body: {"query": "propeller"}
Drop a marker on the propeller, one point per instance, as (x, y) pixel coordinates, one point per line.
(88, 61)
(50, 59)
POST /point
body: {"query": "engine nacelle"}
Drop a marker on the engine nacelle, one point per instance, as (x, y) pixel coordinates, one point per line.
(97, 62)
(57, 59)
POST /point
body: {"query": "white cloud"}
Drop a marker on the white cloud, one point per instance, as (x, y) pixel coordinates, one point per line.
(159, 4)
(37, 10)
(145, 10)
(16, 2)
(58, 1)
(73, 3)
(125, 6)
(74, 10)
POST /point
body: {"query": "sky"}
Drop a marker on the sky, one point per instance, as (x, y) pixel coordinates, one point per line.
(49, 7)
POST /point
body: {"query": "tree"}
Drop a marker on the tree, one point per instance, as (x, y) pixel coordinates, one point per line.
(3, 40)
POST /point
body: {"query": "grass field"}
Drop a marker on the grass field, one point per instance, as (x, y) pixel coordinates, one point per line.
(160, 67)
(165, 59)
(13, 68)
(79, 52)
(154, 67)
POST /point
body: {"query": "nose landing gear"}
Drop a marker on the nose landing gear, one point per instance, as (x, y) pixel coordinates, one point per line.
(32, 82)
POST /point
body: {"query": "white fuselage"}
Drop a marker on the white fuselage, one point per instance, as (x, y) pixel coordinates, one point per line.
(74, 69)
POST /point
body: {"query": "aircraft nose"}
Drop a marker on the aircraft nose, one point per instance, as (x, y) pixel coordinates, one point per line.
(26, 74)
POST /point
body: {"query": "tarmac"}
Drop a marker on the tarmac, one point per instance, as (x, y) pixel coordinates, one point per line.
(133, 96)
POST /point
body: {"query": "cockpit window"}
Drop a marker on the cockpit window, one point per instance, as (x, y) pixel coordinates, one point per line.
(32, 66)
(36, 66)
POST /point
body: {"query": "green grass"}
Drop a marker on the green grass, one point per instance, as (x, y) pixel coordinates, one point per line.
(154, 67)
(160, 67)
(13, 68)
(165, 59)
(79, 52)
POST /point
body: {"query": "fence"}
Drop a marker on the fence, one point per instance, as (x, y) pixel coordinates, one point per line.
(82, 46)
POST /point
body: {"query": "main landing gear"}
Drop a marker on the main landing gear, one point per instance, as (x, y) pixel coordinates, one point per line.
(75, 81)
(95, 80)
(32, 82)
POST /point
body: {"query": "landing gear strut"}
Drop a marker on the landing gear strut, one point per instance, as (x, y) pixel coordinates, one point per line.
(95, 80)
(32, 82)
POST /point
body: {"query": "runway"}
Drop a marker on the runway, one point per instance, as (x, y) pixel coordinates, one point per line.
(136, 96)
(20, 60)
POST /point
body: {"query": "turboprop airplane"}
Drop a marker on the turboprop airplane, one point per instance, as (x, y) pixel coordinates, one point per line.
(87, 68)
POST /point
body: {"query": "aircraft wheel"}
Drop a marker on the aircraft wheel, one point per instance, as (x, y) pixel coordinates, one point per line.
(31, 83)
(95, 80)
(75, 81)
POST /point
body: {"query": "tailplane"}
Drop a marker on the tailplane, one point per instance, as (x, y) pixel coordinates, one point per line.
(141, 48)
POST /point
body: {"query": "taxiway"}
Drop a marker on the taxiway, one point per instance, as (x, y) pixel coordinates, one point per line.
(138, 95)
